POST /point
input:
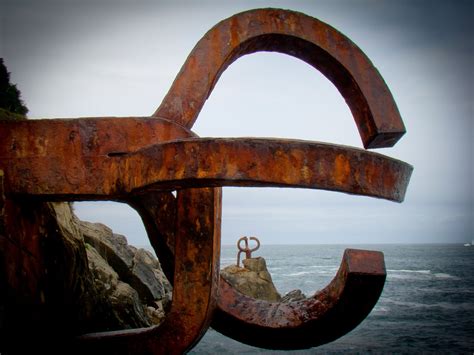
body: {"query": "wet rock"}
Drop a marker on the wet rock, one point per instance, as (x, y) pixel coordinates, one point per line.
(293, 296)
(147, 277)
(130, 279)
(112, 247)
(65, 277)
(137, 267)
(126, 310)
(252, 280)
(156, 314)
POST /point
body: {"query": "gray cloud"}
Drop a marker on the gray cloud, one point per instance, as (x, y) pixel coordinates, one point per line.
(92, 58)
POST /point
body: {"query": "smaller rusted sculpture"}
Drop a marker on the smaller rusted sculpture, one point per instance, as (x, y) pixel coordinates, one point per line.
(246, 249)
(321, 318)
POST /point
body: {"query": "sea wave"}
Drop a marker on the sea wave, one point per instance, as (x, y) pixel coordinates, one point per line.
(406, 274)
(410, 271)
(449, 290)
(426, 305)
(300, 273)
(467, 306)
(442, 275)
(380, 310)
(312, 272)
(320, 266)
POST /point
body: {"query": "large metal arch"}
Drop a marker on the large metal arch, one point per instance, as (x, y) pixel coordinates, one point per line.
(304, 37)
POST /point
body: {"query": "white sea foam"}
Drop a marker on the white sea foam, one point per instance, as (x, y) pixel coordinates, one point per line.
(468, 306)
(300, 273)
(381, 310)
(403, 274)
(410, 271)
(442, 275)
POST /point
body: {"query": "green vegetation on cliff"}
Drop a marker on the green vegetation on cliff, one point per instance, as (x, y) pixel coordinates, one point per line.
(11, 105)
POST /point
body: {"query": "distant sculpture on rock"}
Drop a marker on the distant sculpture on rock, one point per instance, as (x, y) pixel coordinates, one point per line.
(253, 279)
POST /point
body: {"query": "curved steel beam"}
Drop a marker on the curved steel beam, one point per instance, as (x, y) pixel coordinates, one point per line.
(213, 162)
(269, 162)
(158, 209)
(296, 34)
(324, 317)
(328, 315)
(194, 288)
(81, 147)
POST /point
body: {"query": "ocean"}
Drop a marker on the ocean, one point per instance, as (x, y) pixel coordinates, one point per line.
(427, 305)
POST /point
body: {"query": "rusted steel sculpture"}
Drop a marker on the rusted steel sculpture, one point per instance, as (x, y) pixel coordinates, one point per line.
(139, 161)
(245, 249)
(324, 317)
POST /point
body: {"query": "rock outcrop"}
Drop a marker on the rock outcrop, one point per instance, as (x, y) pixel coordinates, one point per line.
(252, 280)
(293, 296)
(81, 278)
(255, 281)
(60, 277)
(131, 278)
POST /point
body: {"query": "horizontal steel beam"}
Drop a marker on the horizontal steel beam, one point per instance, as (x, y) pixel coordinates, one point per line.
(210, 162)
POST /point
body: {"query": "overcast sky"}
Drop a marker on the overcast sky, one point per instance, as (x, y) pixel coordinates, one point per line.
(119, 58)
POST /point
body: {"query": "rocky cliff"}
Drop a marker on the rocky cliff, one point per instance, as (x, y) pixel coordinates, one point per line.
(130, 279)
(252, 280)
(72, 277)
(255, 281)
(60, 276)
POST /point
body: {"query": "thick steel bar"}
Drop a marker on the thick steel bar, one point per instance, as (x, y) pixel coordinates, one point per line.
(200, 162)
(75, 143)
(328, 315)
(74, 139)
(157, 210)
(195, 285)
(296, 34)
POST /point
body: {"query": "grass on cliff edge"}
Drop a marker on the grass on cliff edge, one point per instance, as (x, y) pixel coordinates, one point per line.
(10, 116)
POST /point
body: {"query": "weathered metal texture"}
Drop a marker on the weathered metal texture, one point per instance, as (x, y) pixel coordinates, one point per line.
(198, 162)
(54, 154)
(158, 212)
(296, 34)
(139, 160)
(197, 250)
(245, 249)
(328, 315)
(76, 148)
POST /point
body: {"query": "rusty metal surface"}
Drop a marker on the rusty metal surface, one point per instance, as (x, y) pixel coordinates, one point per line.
(296, 34)
(324, 317)
(54, 153)
(85, 137)
(158, 212)
(197, 251)
(198, 162)
(140, 160)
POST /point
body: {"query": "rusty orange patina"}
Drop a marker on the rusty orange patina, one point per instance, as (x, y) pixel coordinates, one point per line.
(324, 317)
(140, 160)
(296, 34)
